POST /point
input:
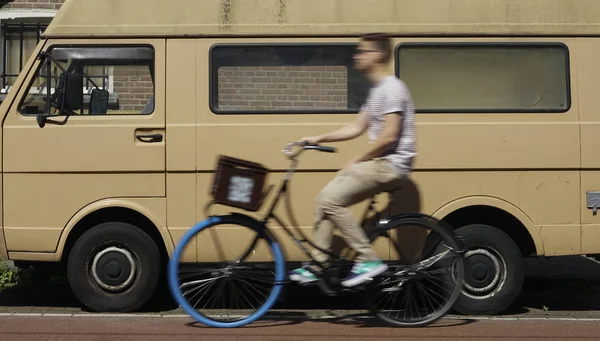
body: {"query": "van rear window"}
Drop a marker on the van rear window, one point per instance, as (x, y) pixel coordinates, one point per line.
(486, 77)
(285, 78)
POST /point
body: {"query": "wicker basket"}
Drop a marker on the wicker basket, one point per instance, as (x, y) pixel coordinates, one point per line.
(239, 183)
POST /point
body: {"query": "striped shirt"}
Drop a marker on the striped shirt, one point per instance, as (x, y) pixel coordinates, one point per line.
(392, 95)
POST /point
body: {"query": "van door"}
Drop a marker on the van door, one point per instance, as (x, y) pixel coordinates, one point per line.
(107, 142)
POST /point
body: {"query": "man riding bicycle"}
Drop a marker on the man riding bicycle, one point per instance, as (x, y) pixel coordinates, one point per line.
(388, 114)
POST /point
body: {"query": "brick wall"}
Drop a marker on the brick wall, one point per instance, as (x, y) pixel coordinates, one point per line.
(286, 87)
(134, 86)
(37, 4)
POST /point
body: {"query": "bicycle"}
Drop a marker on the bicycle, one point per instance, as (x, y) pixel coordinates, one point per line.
(239, 183)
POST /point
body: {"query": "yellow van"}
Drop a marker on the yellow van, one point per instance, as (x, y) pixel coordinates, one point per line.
(111, 132)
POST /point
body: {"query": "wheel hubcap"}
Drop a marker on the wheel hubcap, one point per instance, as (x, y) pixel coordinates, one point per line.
(113, 269)
(485, 273)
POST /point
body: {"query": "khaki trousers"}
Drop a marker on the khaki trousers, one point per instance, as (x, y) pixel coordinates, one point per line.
(360, 182)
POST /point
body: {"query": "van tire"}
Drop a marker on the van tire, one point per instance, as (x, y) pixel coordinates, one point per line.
(125, 247)
(487, 250)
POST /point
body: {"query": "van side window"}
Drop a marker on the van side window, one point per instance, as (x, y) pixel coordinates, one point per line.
(117, 80)
(486, 77)
(285, 78)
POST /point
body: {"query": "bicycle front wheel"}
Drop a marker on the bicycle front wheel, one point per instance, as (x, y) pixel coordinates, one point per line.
(424, 276)
(227, 271)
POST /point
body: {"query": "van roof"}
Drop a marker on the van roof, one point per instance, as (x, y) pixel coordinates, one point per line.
(160, 18)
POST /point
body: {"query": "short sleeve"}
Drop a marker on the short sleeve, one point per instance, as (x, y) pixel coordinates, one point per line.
(394, 98)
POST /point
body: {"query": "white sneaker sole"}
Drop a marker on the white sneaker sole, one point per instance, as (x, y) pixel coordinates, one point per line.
(301, 279)
(360, 279)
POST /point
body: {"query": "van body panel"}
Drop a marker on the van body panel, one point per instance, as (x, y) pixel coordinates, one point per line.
(34, 256)
(4, 107)
(67, 167)
(152, 208)
(535, 198)
(3, 251)
(35, 219)
(182, 207)
(181, 93)
(334, 18)
(561, 240)
(588, 75)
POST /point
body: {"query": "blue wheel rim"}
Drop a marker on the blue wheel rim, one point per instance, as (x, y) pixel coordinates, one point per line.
(176, 293)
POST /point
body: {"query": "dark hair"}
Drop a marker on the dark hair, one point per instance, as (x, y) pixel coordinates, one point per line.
(382, 43)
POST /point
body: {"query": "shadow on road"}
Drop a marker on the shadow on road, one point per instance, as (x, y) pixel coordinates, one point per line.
(355, 320)
(559, 284)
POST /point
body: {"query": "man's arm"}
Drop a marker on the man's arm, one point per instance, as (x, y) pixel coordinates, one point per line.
(389, 135)
(348, 132)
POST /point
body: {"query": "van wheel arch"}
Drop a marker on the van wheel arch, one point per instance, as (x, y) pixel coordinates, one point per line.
(495, 242)
(120, 226)
(118, 214)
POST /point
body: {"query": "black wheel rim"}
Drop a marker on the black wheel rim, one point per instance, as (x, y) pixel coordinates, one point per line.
(423, 287)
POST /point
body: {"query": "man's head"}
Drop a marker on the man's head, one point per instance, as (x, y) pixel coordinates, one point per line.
(374, 49)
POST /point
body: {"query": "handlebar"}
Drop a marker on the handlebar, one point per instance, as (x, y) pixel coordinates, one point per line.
(306, 146)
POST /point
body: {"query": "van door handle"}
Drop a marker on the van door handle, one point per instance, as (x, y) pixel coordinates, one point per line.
(150, 137)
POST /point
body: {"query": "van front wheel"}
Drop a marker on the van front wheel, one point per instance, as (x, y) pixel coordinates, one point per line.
(114, 267)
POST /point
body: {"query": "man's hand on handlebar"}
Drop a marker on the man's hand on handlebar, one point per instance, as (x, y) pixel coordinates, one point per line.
(306, 145)
(311, 140)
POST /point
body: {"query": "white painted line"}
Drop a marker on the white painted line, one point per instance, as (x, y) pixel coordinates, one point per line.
(305, 317)
(549, 318)
(116, 315)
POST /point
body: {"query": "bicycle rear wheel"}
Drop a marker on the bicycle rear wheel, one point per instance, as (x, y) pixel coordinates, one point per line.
(424, 276)
(249, 284)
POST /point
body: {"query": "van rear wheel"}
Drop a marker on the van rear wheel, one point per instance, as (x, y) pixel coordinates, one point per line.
(114, 267)
(493, 270)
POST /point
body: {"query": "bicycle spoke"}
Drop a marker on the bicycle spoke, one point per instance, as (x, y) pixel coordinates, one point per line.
(421, 302)
(235, 286)
(207, 290)
(423, 289)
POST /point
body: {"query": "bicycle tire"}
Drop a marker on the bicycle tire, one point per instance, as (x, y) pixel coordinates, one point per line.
(234, 219)
(450, 239)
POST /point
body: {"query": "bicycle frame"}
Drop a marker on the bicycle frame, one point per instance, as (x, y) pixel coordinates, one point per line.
(283, 191)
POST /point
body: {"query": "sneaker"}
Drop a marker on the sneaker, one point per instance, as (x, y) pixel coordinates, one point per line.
(303, 275)
(362, 272)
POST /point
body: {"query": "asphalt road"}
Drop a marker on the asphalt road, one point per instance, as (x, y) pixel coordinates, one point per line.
(181, 328)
